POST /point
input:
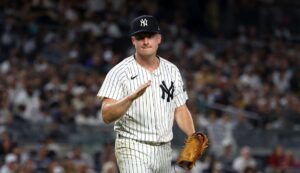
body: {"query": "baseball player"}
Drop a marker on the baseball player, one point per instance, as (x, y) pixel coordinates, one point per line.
(142, 95)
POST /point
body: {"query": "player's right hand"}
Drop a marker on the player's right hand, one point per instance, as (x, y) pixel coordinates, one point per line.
(140, 91)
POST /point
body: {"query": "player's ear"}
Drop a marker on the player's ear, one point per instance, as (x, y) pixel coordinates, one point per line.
(133, 40)
(159, 38)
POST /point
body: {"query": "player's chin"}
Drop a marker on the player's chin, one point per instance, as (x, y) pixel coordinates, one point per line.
(147, 52)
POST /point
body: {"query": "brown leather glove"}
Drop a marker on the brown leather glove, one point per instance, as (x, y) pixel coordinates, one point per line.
(194, 146)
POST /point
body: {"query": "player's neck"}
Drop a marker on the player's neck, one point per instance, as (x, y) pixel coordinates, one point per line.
(150, 63)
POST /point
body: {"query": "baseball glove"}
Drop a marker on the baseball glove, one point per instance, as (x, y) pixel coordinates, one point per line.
(194, 146)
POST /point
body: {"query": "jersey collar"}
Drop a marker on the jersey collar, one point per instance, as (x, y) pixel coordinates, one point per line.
(156, 72)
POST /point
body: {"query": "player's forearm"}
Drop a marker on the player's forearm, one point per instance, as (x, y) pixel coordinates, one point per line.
(111, 111)
(114, 109)
(187, 125)
(184, 120)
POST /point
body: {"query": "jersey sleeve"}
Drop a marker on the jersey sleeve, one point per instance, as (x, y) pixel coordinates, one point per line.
(111, 86)
(180, 90)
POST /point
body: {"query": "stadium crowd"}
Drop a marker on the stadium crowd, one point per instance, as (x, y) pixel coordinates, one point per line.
(54, 55)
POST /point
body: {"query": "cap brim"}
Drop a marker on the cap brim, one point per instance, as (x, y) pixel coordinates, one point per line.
(144, 31)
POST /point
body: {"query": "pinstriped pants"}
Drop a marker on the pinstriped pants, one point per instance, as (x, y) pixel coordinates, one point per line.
(136, 157)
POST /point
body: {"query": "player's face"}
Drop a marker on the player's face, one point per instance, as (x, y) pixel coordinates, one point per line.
(146, 44)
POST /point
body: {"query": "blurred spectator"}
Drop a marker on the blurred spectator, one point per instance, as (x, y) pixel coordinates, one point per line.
(211, 164)
(5, 113)
(80, 159)
(27, 167)
(42, 158)
(55, 167)
(7, 146)
(250, 78)
(249, 170)
(109, 167)
(290, 162)
(52, 146)
(10, 165)
(219, 132)
(108, 159)
(242, 129)
(21, 154)
(281, 77)
(244, 160)
(69, 165)
(276, 158)
(227, 157)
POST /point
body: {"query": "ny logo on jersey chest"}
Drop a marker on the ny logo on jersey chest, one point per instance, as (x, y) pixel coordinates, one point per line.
(167, 92)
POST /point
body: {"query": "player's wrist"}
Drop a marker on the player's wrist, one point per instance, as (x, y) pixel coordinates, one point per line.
(191, 133)
(130, 98)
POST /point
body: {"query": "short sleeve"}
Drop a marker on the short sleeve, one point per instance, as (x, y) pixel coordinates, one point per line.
(180, 90)
(111, 86)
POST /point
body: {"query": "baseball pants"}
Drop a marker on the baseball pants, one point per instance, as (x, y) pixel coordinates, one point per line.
(139, 157)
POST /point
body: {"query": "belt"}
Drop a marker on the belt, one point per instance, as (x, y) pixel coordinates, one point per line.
(144, 142)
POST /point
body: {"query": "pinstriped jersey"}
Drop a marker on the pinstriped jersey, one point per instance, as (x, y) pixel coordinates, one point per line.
(151, 116)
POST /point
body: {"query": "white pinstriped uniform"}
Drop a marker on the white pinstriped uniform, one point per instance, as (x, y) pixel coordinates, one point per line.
(145, 131)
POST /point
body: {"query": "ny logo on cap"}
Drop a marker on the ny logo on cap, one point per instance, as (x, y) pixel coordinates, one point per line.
(143, 22)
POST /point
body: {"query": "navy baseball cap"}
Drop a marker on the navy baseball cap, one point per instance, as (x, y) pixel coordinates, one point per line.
(144, 23)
